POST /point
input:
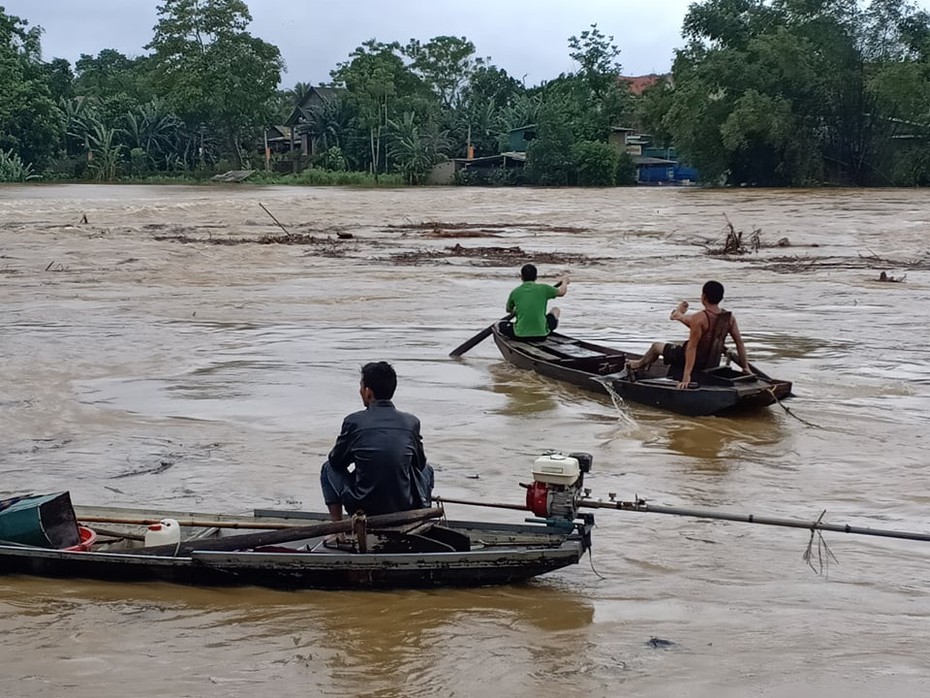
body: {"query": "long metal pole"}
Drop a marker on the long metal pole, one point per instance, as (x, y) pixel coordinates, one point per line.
(645, 508)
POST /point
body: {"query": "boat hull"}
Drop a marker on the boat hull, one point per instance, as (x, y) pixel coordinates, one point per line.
(600, 369)
(499, 554)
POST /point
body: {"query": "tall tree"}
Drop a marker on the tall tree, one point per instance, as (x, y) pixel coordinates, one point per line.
(379, 85)
(30, 122)
(60, 79)
(212, 71)
(444, 63)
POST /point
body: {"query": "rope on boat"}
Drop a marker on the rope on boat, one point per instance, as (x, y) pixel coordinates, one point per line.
(591, 560)
(822, 547)
(790, 413)
(732, 357)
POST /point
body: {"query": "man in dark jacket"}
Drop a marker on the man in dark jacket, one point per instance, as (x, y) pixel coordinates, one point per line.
(384, 444)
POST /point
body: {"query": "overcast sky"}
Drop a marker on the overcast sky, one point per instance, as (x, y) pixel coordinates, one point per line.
(523, 37)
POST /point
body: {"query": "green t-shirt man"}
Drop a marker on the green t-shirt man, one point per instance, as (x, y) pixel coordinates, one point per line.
(528, 302)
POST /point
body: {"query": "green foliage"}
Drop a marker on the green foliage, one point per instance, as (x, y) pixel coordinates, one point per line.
(30, 122)
(211, 71)
(488, 83)
(332, 160)
(597, 55)
(595, 164)
(484, 112)
(792, 92)
(105, 152)
(380, 87)
(138, 162)
(317, 177)
(331, 124)
(444, 63)
(13, 169)
(413, 151)
(549, 157)
(60, 79)
(764, 92)
(153, 129)
(626, 170)
(593, 99)
(110, 73)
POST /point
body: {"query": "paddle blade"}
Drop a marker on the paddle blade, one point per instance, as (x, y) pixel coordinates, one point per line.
(474, 341)
(477, 339)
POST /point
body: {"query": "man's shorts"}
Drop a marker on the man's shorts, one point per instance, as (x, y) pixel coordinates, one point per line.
(674, 354)
(506, 329)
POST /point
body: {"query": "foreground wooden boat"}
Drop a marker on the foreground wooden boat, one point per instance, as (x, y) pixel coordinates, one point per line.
(718, 390)
(223, 550)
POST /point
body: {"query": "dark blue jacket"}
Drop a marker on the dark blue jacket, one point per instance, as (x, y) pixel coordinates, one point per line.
(386, 446)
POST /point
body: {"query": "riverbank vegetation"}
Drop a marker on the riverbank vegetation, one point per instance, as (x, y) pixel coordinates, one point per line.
(763, 93)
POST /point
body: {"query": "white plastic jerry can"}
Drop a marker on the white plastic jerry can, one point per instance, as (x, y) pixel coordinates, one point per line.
(165, 532)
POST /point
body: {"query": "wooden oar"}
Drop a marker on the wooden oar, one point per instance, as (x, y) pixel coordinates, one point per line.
(483, 335)
(478, 338)
(255, 540)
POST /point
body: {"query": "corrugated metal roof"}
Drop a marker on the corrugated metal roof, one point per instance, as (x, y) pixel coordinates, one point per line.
(644, 160)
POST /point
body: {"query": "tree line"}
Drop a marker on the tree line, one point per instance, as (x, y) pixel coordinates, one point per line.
(763, 92)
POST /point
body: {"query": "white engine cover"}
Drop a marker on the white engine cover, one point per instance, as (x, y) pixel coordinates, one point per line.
(556, 469)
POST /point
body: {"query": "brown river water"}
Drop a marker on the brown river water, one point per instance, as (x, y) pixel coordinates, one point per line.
(137, 370)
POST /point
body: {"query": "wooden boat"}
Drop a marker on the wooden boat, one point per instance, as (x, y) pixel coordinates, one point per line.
(716, 390)
(286, 549)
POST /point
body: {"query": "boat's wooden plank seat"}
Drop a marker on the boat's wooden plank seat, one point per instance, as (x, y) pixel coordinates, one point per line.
(573, 351)
(536, 351)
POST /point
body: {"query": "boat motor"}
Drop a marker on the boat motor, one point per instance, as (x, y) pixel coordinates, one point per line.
(557, 484)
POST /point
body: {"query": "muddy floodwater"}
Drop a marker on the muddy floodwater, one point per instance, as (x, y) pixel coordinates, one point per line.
(155, 350)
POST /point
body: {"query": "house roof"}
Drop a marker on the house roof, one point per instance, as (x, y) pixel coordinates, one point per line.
(328, 92)
(522, 128)
(284, 132)
(638, 84)
(492, 160)
(645, 160)
(321, 92)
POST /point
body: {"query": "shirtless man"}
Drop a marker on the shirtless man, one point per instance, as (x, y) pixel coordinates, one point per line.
(683, 359)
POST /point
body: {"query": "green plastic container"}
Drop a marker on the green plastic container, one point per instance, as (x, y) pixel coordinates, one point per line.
(45, 521)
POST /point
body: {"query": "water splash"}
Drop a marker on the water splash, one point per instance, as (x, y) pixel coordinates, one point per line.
(623, 412)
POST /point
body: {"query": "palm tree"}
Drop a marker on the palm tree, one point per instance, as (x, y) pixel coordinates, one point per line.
(151, 128)
(414, 152)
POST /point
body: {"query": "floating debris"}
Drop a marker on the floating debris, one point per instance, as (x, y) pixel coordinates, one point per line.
(660, 644)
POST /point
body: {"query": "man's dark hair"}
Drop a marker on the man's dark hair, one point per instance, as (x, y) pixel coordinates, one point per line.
(528, 272)
(379, 376)
(713, 290)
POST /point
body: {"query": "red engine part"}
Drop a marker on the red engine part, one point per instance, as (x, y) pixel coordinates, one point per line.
(537, 498)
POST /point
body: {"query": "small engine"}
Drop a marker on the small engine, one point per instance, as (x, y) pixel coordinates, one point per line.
(557, 483)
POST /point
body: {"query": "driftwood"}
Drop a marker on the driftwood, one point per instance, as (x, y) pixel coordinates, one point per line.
(433, 226)
(733, 243)
(492, 256)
